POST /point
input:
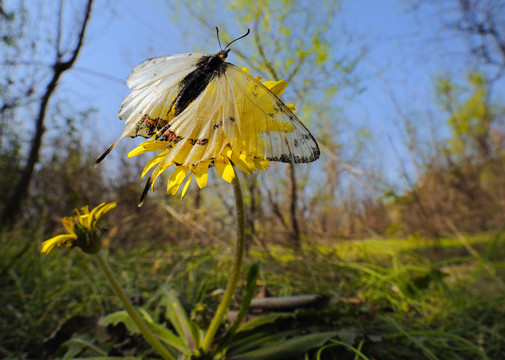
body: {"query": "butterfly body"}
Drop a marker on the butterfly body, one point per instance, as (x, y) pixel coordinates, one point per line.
(195, 82)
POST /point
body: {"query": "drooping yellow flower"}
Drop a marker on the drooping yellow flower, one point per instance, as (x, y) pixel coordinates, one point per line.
(82, 230)
(241, 153)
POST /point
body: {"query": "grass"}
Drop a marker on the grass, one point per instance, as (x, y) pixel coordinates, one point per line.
(390, 298)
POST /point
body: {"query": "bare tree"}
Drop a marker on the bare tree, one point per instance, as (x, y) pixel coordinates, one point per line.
(64, 58)
(483, 24)
(480, 23)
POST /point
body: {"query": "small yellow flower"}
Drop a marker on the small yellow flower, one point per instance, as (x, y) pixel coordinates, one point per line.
(222, 163)
(82, 230)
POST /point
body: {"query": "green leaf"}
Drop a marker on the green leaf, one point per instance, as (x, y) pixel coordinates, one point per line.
(161, 331)
(118, 317)
(252, 276)
(259, 339)
(349, 335)
(263, 320)
(179, 319)
(287, 349)
(168, 337)
(77, 345)
(73, 348)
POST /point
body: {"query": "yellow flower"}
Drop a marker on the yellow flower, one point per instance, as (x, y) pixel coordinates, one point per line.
(82, 230)
(222, 163)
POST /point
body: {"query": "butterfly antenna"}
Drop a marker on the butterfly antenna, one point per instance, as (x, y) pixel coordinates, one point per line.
(146, 190)
(219, 41)
(243, 36)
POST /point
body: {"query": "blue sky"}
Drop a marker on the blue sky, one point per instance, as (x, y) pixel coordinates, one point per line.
(401, 47)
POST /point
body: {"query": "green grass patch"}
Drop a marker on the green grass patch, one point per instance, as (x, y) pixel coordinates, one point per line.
(389, 299)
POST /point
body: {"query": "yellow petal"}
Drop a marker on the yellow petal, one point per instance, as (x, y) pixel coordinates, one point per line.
(82, 216)
(262, 164)
(58, 240)
(243, 162)
(202, 173)
(158, 171)
(107, 208)
(68, 223)
(147, 146)
(291, 107)
(84, 209)
(85, 220)
(95, 210)
(277, 87)
(98, 212)
(224, 168)
(176, 179)
(227, 151)
(154, 161)
(186, 185)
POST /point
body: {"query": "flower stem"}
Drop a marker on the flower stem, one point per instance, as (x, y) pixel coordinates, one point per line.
(235, 272)
(148, 335)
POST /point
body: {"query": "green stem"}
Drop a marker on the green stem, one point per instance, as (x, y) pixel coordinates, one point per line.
(148, 335)
(235, 272)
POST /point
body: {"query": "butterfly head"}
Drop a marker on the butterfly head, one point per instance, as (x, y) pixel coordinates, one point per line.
(223, 54)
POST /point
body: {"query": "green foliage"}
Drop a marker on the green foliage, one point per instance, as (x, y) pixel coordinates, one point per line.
(38, 293)
(471, 118)
(251, 341)
(392, 299)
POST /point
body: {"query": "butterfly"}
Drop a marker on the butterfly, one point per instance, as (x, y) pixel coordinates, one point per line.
(202, 104)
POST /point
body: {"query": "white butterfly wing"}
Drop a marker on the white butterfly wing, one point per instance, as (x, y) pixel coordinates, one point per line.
(237, 109)
(154, 85)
